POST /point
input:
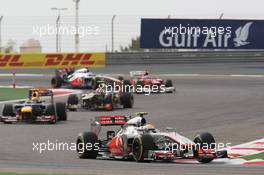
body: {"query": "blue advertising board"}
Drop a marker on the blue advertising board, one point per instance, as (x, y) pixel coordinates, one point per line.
(202, 34)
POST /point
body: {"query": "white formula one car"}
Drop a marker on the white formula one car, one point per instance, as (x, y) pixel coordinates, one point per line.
(80, 78)
(143, 142)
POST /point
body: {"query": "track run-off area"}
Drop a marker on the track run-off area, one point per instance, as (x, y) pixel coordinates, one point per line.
(224, 99)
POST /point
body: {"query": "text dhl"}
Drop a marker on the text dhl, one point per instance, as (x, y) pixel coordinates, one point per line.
(48, 60)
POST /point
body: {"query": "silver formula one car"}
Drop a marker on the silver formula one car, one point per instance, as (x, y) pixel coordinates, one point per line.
(143, 142)
(80, 78)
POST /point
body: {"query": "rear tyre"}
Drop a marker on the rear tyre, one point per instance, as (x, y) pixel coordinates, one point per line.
(140, 85)
(8, 110)
(61, 111)
(127, 86)
(95, 83)
(120, 78)
(72, 100)
(169, 83)
(87, 140)
(128, 100)
(141, 147)
(56, 82)
(204, 140)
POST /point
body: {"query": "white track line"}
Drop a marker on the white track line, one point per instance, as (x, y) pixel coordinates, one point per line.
(253, 76)
(23, 75)
(166, 75)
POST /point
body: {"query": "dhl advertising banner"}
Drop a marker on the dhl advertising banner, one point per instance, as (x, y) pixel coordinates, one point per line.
(51, 60)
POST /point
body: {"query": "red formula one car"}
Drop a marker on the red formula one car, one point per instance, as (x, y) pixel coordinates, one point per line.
(145, 83)
(142, 142)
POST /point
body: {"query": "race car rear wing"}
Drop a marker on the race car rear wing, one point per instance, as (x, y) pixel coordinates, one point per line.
(41, 92)
(112, 120)
(137, 73)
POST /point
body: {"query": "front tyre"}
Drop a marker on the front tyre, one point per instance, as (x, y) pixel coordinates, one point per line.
(8, 110)
(141, 147)
(56, 82)
(51, 111)
(87, 145)
(72, 101)
(204, 140)
(61, 111)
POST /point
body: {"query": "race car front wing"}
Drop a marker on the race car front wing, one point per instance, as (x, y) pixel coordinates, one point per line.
(18, 119)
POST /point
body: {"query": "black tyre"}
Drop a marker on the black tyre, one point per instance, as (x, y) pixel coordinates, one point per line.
(109, 100)
(56, 82)
(204, 140)
(127, 100)
(141, 147)
(120, 78)
(95, 83)
(61, 111)
(87, 140)
(127, 86)
(72, 100)
(169, 83)
(50, 110)
(8, 110)
(139, 87)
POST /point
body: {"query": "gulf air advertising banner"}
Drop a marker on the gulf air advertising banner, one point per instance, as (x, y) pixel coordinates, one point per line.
(202, 34)
(51, 60)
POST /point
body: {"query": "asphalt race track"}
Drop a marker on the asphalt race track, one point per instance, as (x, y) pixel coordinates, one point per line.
(231, 108)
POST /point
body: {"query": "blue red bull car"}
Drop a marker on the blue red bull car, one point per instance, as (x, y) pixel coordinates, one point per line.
(35, 109)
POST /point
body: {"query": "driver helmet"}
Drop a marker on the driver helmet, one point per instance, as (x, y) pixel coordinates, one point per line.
(149, 126)
(35, 97)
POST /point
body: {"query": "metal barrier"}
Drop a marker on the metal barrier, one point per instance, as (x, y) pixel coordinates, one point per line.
(184, 57)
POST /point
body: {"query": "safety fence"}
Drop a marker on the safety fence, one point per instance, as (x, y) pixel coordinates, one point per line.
(184, 57)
